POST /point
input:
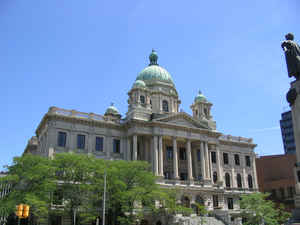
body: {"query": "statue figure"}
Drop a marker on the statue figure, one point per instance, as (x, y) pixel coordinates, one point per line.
(292, 56)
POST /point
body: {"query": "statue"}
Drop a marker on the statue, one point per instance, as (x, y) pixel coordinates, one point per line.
(292, 56)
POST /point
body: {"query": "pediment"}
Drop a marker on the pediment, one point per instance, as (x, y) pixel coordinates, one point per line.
(183, 119)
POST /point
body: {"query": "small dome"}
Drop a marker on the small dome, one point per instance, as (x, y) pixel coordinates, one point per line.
(112, 110)
(139, 83)
(200, 97)
(154, 72)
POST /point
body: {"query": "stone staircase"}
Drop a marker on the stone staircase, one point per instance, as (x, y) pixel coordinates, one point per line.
(197, 220)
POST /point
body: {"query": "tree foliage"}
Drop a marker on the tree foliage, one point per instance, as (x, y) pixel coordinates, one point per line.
(32, 179)
(257, 210)
(73, 184)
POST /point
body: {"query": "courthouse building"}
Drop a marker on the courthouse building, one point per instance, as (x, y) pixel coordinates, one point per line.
(185, 151)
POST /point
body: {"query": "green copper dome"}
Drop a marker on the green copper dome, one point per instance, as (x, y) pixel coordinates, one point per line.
(200, 97)
(139, 84)
(154, 72)
(112, 110)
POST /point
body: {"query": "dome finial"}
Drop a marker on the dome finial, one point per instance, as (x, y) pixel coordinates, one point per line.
(153, 58)
(199, 92)
(111, 104)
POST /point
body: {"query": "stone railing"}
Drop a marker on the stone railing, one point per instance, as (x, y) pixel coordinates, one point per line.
(74, 113)
(237, 139)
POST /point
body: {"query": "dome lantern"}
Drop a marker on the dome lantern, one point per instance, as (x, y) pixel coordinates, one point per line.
(153, 58)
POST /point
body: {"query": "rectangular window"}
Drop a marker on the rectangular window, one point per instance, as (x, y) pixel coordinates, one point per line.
(182, 153)
(225, 158)
(213, 157)
(237, 159)
(198, 155)
(99, 144)
(169, 152)
(183, 176)
(230, 203)
(248, 162)
(215, 201)
(116, 146)
(61, 139)
(80, 141)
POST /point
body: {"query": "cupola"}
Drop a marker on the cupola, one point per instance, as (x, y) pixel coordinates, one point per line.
(112, 113)
(202, 109)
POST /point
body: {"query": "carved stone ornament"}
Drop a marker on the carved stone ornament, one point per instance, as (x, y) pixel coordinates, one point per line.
(291, 96)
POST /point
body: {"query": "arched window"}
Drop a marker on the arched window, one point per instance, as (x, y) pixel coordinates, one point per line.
(185, 201)
(239, 180)
(165, 106)
(250, 183)
(142, 99)
(215, 177)
(227, 179)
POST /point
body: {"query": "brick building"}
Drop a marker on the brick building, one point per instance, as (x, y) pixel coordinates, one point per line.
(275, 174)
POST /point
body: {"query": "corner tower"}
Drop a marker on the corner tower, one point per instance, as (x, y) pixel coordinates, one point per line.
(153, 92)
(202, 110)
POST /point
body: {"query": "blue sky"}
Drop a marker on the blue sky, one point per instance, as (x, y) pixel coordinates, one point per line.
(84, 55)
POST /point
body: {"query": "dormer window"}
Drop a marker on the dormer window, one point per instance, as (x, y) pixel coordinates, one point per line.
(142, 99)
(165, 106)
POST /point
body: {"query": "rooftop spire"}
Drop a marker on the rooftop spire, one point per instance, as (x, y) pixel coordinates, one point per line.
(153, 58)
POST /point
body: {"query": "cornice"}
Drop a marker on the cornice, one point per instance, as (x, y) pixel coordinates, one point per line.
(236, 143)
(47, 117)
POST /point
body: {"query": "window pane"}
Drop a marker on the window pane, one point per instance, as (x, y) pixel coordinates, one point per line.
(248, 163)
(230, 203)
(116, 146)
(169, 152)
(61, 139)
(142, 99)
(213, 157)
(165, 106)
(99, 144)
(225, 158)
(182, 154)
(198, 155)
(80, 141)
(237, 159)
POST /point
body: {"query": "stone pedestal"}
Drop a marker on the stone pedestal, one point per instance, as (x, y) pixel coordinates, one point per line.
(293, 97)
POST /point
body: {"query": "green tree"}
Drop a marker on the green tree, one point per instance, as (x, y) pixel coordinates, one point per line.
(32, 179)
(257, 210)
(74, 173)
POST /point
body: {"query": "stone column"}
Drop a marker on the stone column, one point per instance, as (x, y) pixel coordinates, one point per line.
(155, 155)
(195, 162)
(134, 147)
(233, 178)
(175, 159)
(210, 167)
(161, 156)
(245, 179)
(219, 167)
(202, 154)
(128, 149)
(189, 160)
(207, 169)
(255, 184)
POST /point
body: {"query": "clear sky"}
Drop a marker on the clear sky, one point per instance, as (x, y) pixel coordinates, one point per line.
(84, 55)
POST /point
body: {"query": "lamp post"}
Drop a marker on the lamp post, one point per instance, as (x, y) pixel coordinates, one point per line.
(104, 196)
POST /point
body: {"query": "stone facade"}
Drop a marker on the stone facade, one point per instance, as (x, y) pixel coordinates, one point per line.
(185, 151)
